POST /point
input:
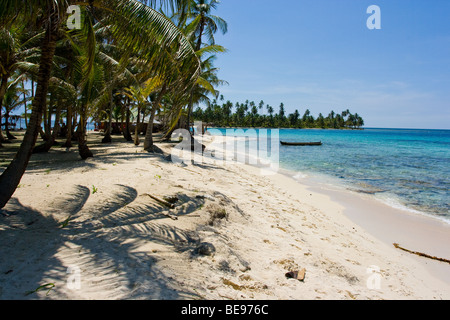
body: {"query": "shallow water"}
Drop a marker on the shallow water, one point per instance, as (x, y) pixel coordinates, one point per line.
(406, 168)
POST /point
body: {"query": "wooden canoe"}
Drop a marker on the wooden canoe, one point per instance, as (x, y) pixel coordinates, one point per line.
(301, 143)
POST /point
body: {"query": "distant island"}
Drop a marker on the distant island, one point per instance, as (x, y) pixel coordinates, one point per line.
(250, 114)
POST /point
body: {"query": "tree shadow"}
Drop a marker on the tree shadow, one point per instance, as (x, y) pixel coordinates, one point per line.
(58, 161)
(71, 204)
(108, 241)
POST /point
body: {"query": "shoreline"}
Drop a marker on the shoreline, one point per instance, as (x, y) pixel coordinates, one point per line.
(417, 231)
(126, 245)
(331, 184)
(387, 224)
(391, 199)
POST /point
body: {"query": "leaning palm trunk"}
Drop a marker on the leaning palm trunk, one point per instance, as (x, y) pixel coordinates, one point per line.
(190, 106)
(83, 148)
(46, 146)
(68, 143)
(136, 130)
(11, 177)
(48, 120)
(148, 143)
(24, 102)
(8, 133)
(107, 138)
(3, 86)
(128, 19)
(126, 131)
(2, 138)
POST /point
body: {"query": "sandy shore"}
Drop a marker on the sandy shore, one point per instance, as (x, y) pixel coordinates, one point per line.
(90, 230)
(414, 231)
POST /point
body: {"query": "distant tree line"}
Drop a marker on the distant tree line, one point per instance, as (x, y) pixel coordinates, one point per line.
(250, 114)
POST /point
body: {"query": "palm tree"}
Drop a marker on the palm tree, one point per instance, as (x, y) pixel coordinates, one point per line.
(148, 142)
(206, 84)
(253, 113)
(351, 121)
(63, 84)
(320, 121)
(174, 81)
(204, 24)
(339, 121)
(294, 119)
(281, 118)
(227, 110)
(345, 113)
(11, 100)
(270, 111)
(126, 19)
(140, 94)
(13, 173)
(117, 77)
(359, 121)
(17, 45)
(261, 105)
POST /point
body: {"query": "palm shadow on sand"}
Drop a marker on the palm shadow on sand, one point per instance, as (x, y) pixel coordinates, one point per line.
(103, 238)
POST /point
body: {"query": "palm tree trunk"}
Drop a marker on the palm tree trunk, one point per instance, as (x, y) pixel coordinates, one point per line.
(2, 138)
(83, 148)
(25, 104)
(33, 91)
(148, 143)
(167, 136)
(8, 133)
(191, 104)
(74, 125)
(1, 134)
(136, 130)
(43, 132)
(107, 138)
(68, 143)
(46, 146)
(48, 127)
(11, 177)
(122, 120)
(126, 132)
(191, 100)
(3, 86)
(199, 40)
(47, 120)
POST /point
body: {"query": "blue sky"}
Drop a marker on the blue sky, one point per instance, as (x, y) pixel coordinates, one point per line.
(319, 54)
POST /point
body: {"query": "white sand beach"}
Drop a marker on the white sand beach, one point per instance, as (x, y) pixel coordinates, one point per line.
(89, 230)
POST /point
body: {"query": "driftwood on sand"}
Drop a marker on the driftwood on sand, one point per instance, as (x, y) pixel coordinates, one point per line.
(396, 245)
(161, 201)
(164, 203)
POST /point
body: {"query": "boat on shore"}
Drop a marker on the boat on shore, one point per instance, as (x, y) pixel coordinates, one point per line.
(284, 143)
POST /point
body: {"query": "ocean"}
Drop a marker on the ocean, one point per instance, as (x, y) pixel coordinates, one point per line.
(404, 168)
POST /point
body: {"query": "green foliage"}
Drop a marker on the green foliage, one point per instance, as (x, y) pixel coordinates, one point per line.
(248, 114)
(65, 222)
(48, 286)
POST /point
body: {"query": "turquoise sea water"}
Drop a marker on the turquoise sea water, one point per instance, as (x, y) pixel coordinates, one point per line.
(408, 168)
